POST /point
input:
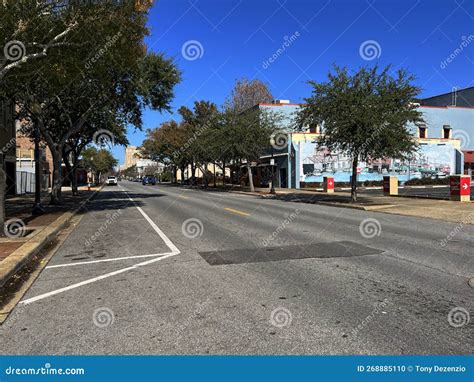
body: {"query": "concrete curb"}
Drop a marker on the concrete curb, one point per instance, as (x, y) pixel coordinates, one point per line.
(355, 206)
(426, 197)
(22, 255)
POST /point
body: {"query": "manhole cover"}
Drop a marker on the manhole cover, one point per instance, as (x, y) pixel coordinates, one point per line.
(291, 252)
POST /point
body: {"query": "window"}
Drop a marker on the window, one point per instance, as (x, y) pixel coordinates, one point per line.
(314, 129)
(422, 132)
(447, 132)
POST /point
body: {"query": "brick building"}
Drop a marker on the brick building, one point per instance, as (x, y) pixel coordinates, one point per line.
(25, 164)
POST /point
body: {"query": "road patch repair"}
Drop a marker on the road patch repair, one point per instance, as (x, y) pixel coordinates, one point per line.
(155, 257)
(290, 252)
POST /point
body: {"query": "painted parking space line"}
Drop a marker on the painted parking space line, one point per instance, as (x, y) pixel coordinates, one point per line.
(92, 280)
(106, 260)
(174, 251)
(237, 212)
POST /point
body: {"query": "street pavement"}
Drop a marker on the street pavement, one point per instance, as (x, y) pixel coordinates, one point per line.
(166, 270)
(424, 191)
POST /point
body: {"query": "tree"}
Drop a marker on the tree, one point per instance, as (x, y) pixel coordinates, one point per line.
(247, 135)
(131, 172)
(104, 122)
(99, 162)
(197, 123)
(166, 144)
(30, 29)
(117, 80)
(248, 93)
(364, 115)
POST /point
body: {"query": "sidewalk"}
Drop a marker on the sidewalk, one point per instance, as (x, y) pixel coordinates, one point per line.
(25, 235)
(432, 208)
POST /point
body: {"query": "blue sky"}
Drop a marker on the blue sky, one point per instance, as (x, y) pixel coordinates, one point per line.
(235, 38)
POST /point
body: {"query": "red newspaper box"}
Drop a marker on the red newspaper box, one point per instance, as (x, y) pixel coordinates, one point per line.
(328, 184)
(460, 188)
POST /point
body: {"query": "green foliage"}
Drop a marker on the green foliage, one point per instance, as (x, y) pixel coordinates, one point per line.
(82, 83)
(364, 115)
(131, 172)
(99, 161)
(247, 135)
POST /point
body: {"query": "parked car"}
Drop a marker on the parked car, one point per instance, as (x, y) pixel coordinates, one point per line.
(111, 181)
(149, 180)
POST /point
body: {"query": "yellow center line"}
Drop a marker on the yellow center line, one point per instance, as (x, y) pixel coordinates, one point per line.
(182, 197)
(237, 211)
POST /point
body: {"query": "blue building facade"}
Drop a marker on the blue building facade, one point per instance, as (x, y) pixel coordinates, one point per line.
(447, 132)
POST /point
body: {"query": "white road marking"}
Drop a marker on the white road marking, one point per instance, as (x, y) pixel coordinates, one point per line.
(89, 281)
(174, 251)
(106, 260)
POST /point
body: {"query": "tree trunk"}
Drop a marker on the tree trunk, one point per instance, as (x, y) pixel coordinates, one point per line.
(75, 163)
(249, 169)
(70, 172)
(355, 162)
(182, 175)
(193, 174)
(2, 196)
(215, 184)
(57, 177)
(206, 180)
(223, 174)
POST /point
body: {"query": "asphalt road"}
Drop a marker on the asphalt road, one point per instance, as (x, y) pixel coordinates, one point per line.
(247, 276)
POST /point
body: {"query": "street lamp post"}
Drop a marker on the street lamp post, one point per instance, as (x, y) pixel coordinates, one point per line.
(272, 163)
(37, 207)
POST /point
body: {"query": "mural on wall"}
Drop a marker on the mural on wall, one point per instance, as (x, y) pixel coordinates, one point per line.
(431, 160)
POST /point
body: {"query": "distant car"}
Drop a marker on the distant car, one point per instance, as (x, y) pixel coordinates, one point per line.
(149, 180)
(112, 181)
